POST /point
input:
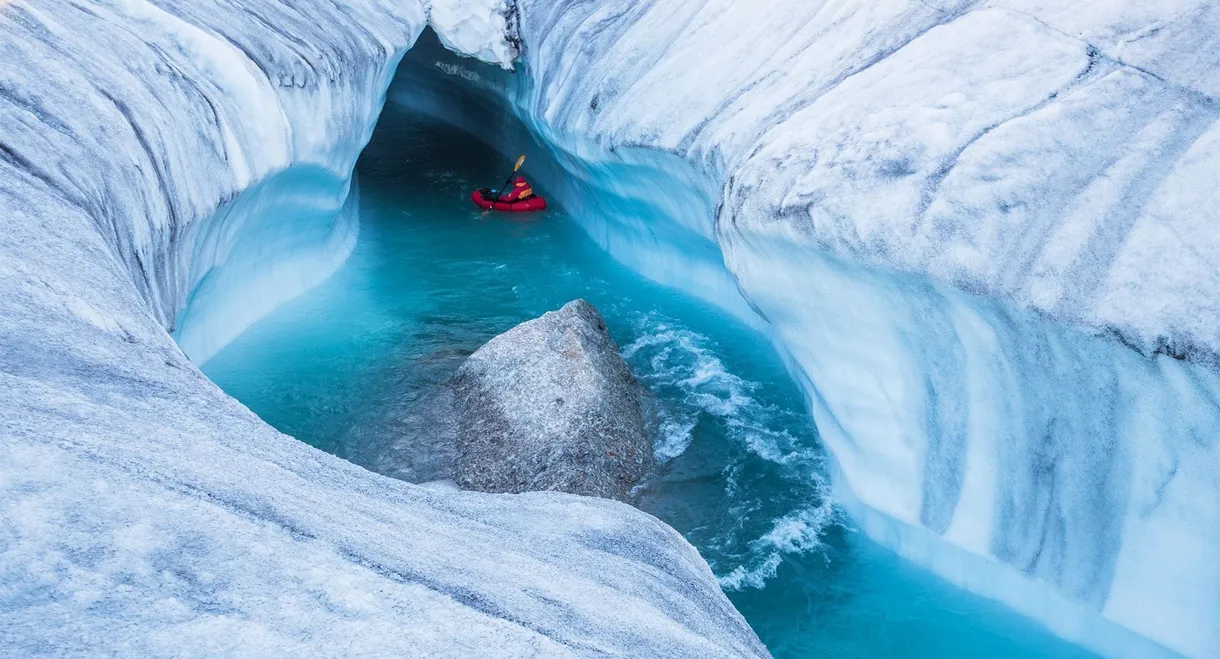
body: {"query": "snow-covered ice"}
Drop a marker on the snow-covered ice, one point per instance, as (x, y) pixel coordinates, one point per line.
(154, 150)
(982, 233)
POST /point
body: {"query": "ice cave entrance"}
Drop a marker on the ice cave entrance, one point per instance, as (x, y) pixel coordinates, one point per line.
(346, 365)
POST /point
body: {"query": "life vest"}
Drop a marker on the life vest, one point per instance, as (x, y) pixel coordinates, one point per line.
(521, 190)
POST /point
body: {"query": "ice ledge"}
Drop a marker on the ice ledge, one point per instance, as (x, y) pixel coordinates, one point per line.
(483, 29)
(996, 580)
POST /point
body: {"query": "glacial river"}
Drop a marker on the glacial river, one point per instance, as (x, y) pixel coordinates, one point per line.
(740, 470)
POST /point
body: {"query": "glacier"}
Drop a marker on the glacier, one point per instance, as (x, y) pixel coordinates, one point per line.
(160, 153)
(980, 232)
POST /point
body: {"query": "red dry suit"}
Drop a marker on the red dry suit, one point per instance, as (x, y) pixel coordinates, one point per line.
(520, 190)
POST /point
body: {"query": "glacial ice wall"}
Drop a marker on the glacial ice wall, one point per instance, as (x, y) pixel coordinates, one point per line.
(155, 150)
(983, 234)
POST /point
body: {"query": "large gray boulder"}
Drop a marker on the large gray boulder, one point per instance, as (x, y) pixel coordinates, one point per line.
(550, 405)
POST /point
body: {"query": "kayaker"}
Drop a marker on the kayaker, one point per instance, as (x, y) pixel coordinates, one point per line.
(515, 196)
(520, 191)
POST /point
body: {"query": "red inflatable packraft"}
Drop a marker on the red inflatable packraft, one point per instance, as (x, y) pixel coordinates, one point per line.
(485, 199)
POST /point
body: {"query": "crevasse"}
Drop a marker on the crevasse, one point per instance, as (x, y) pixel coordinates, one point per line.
(980, 232)
(965, 252)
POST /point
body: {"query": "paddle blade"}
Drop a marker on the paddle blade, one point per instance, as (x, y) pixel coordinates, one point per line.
(520, 161)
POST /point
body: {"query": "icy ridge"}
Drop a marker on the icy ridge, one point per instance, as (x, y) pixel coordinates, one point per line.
(981, 231)
(919, 141)
(147, 149)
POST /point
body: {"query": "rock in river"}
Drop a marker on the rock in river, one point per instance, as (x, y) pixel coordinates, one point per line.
(550, 405)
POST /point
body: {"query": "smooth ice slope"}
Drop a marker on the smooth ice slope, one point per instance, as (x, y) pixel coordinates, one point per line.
(984, 233)
(145, 513)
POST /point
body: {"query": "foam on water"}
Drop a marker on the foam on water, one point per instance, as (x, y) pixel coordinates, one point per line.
(682, 365)
(795, 533)
(693, 385)
(673, 359)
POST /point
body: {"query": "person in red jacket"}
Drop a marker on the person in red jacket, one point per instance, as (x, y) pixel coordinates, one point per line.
(519, 191)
